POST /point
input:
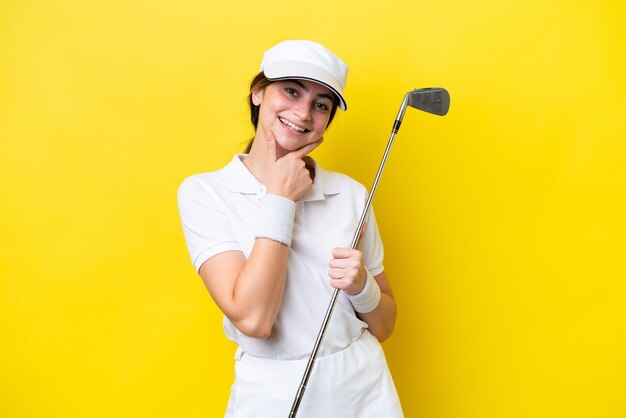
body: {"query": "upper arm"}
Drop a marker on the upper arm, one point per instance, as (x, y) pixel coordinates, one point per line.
(207, 229)
(213, 246)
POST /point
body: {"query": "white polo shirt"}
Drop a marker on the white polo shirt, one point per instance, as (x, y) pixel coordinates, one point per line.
(219, 212)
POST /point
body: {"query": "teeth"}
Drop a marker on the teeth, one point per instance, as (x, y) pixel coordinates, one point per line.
(292, 125)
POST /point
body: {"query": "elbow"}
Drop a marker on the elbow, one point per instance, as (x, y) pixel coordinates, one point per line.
(255, 329)
(383, 327)
(259, 333)
(383, 334)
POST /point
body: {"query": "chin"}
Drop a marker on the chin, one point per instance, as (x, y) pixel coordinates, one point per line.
(290, 144)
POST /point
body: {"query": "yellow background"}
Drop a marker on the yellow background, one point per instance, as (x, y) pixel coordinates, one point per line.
(504, 222)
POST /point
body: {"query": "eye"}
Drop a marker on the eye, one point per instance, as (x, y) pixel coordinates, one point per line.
(291, 91)
(321, 106)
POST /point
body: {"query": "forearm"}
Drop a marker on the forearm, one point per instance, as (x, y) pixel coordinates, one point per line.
(249, 291)
(381, 321)
(259, 289)
(371, 297)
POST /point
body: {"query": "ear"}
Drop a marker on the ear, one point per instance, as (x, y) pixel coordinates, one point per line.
(257, 96)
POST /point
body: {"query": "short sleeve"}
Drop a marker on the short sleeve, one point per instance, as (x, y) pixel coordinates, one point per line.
(205, 226)
(372, 246)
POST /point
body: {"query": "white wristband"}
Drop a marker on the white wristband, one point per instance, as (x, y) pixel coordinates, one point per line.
(275, 219)
(367, 299)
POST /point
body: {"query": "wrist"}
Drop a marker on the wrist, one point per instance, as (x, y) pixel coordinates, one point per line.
(367, 299)
(276, 191)
(275, 220)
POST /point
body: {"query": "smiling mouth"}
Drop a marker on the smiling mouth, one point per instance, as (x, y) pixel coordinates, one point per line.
(292, 125)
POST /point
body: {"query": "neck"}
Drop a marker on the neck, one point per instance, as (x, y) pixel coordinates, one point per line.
(257, 159)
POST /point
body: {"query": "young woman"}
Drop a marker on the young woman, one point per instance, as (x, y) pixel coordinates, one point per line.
(268, 235)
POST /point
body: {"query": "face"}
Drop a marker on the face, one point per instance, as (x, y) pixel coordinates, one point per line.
(295, 111)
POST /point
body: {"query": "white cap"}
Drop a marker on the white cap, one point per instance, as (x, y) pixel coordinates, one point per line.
(309, 61)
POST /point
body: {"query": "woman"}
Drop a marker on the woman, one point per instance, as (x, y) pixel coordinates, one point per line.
(268, 235)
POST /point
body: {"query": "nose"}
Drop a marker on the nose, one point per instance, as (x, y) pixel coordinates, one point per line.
(302, 111)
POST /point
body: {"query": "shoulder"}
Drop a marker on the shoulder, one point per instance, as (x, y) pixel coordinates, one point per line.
(207, 184)
(202, 183)
(228, 176)
(348, 182)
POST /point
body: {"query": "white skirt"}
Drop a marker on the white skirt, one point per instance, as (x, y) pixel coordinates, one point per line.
(352, 383)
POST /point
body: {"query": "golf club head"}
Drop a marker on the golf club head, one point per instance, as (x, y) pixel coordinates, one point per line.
(432, 100)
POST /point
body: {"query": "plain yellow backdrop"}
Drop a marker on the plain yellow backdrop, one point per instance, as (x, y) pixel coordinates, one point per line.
(504, 222)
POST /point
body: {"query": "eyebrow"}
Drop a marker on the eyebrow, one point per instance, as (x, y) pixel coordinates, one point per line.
(299, 83)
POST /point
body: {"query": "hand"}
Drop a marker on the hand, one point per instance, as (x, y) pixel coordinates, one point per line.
(346, 270)
(288, 175)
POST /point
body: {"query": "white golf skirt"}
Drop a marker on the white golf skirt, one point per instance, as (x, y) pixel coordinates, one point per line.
(352, 383)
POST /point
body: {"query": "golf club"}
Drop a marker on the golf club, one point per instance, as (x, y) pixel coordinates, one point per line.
(430, 100)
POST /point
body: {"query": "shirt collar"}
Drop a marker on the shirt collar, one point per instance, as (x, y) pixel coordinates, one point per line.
(241, 180)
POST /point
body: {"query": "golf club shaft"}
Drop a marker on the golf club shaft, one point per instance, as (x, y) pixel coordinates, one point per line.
(430, 100)
(333, 301)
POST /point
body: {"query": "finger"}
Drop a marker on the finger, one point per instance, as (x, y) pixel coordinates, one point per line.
(335, 273)
(345, 253)
(346, 286)
(271, 147)
(339, 263)
(338, 284)
(301, 152)
(341, 267)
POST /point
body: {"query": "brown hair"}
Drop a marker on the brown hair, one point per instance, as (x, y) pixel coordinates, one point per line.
(260, 82)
